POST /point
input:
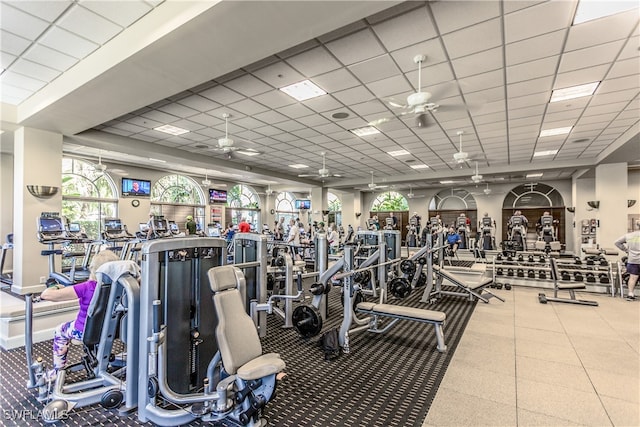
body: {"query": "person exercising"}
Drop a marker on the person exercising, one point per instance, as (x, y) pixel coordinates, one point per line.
(630, 243)
(73, 329)
(453, 240)
(191, 225)
(244, 226)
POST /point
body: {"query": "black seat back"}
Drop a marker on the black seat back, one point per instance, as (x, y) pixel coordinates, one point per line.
(96, 313)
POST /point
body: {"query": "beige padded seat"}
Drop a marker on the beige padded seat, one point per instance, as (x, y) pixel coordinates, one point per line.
(409, 312)
(236, 333)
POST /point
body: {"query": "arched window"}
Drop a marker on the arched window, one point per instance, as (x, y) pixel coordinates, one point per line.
(243, 202)
(285, 207)
(390, 201)
(88, 195)
(534, 195)
(450, 203)
(175, 197)
(335, 209)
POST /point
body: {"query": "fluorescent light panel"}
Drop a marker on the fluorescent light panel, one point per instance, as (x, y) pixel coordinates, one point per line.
(248, 152)
(545, 153)
(574, 92)
(534, 175)
(593, 9)
(398, 153)
(303, 90)
(172, 130)
(298, 166)
(157, 160)
(365, 131)
(556, 131)
(420, 166)
(446, 182)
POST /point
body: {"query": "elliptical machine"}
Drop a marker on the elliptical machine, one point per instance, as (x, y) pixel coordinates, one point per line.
(487, 226)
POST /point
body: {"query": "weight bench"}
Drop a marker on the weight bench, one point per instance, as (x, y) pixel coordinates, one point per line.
(398, 312)
(464, 289)
(559, 285)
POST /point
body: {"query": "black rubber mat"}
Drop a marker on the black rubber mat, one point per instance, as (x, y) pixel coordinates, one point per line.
(386, 380)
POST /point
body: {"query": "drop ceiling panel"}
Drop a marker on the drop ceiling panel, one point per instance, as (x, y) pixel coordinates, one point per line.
(458, 15)
(356, 47)
(69, 43)
(532, 70)
(488, 60)
(539, 19)
(21, 81)
(590, 57)
(621, 83)
(323, 103)
(82, 21)
(603, 30)
(122, 13)
(534, 48)
(407, 29)
(477, 38)
(21, 24)
(336, 80)
(279, 75)
(314, 62)
(274, 99)
(375, 69)
(248, 107)
(248, 85)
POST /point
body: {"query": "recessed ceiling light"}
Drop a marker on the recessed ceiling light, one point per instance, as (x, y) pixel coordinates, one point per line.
(574, 92)
(446, 182)
(340, 115)
(157, 160)
(365, 131)
(298, 166)
(398, 153)
(534, 175)
(556, 131)
(545, 153)
(594, 9)
(172, 130)
(303, 90)
(248, 152)
(420, 166)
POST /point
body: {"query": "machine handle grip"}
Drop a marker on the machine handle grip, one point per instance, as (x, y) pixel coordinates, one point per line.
(156, 316)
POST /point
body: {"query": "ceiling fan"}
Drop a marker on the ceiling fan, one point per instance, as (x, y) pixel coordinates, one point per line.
(372, 186)
(206, 182)
(417, 103)
(227, 145)
(460, 157)
(100, 168)
(476, 178)
(322, 173)
(411, 195)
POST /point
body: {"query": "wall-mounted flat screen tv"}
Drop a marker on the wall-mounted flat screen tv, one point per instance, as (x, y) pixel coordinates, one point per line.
(303, 204)
(217, 196)
(135, 187)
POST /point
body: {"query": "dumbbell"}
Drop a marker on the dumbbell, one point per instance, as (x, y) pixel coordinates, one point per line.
(509, 258)
(499, 257)
(499, 271)
(590, 261)
(591, 278)
(604, 262)
(271, 281)
(531, 274)
(520, 272)
(604, 278)
(565, 275)
(498, 285)
(577, 276)
(541, 260)
(422, 260)
(520, 257)
(542, 275)
(531, 258)
(510, 272)
(507, 286)
(408, 267)
(577, 261)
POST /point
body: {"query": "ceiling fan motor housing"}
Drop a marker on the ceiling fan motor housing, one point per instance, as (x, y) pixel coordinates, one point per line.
(225, 142)
(418, 99)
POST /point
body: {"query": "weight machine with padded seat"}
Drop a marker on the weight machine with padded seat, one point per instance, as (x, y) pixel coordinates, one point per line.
(561, 285)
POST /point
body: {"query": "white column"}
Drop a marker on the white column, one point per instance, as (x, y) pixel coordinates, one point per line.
(37, 161)
(318, 203)
(611, 192)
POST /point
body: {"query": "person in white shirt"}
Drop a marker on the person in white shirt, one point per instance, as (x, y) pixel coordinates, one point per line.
(334, 239)
(294, 233)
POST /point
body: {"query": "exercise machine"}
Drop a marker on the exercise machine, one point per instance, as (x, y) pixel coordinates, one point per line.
(412, 232)
(487, 233)
(200, 357)
(562, 285)
(518, 232)
(109, 380)
(463, 231)
(6, 276)
(51, 232)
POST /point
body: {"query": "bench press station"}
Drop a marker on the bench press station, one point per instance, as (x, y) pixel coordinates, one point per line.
(463, 289)
(559, 285)
(378, 310)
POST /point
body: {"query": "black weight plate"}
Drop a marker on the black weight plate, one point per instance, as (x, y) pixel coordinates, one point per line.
(307, 320)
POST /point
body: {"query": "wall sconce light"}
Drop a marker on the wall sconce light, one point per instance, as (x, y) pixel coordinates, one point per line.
(594, 204)
(42, 191)
(571, 209)
(630, 203)
(358, 214)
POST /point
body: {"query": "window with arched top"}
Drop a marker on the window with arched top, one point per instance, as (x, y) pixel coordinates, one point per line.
(533, 195)
(88, 195)
(243, 202)
(391, 201)
(285, 207)
(334, 204)
(452, 202)
(177, 196)
(177, 189)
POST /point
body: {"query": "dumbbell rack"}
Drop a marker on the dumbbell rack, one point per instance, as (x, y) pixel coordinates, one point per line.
(522, 269)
